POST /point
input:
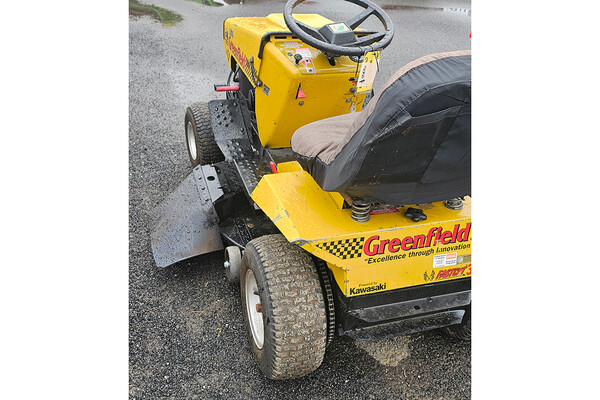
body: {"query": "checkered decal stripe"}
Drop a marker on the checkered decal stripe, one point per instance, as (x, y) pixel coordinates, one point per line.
(345, 248)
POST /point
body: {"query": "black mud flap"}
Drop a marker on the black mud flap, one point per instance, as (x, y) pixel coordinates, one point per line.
(186, 224)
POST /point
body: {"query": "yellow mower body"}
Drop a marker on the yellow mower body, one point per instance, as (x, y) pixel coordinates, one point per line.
(289, 93)
(387, 252)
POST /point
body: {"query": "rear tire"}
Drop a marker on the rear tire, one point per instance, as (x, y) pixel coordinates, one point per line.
(199, 136)
(283, 307)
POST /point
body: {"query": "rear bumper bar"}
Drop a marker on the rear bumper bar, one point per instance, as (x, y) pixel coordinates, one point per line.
(402, 311)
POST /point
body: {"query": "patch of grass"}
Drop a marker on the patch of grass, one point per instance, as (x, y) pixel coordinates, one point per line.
(208, 3)
(165, 16)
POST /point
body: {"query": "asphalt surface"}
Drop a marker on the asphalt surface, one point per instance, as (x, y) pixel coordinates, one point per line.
(186, 336)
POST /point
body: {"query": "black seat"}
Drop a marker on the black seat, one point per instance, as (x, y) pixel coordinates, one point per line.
(410, 145)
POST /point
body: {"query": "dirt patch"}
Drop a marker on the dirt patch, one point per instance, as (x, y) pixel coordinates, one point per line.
(387, 352)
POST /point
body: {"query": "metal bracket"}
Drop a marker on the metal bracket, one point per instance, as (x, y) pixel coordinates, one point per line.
(416, 214)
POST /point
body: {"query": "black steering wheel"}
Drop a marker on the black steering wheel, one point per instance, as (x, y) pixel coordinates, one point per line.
(340, 39)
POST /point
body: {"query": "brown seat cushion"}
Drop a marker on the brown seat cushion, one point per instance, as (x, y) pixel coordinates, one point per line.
(324, 138)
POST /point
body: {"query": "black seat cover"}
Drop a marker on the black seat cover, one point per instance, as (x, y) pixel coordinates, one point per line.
(415, 145)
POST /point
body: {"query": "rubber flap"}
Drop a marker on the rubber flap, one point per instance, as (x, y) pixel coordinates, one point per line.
(185, 224)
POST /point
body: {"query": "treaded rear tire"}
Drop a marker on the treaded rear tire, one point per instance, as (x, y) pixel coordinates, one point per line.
(293, 308)
(328, 297)
(199, 137)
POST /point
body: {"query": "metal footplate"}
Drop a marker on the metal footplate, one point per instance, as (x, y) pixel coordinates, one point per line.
(250, 165)
(227, 124)
(185, 224)
(233, 140)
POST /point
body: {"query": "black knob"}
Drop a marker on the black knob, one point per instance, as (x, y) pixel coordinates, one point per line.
(298, 58)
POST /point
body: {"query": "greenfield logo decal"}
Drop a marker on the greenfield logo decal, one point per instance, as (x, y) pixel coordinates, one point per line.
(345, 248)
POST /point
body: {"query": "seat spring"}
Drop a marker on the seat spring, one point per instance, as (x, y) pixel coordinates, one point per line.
(360, 211)
(455, 203)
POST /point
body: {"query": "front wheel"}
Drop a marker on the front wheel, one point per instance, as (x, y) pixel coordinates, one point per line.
(283, 307)
(199, 136)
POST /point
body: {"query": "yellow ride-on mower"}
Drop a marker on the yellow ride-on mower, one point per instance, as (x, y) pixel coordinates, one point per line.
(339, 212)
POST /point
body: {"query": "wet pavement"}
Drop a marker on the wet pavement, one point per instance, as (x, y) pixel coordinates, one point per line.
(187, 338)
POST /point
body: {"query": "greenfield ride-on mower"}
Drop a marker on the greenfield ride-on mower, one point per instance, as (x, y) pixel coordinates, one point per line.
(340, 211)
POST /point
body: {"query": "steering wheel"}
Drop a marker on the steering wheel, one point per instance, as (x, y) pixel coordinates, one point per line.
(339, 39)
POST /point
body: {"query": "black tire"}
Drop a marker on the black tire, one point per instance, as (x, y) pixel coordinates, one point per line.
(461, 331)
(294, 319)
(328, 297)
(199, 136)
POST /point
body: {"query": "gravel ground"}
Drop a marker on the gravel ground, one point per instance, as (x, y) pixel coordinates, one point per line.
(186, 336)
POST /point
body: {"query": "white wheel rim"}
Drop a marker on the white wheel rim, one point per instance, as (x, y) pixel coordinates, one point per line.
(189, 133)
(255, 318)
